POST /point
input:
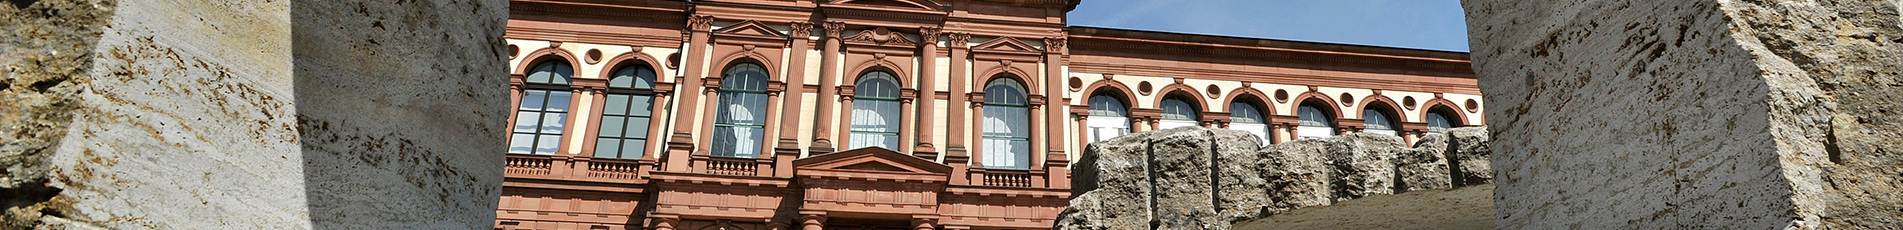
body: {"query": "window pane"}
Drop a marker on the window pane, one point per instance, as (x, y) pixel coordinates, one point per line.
(1177, 109)
(623, 78)
(607, 147)
(1106, 105)
(637, 128)
(723, 141)
(739, 142)
(617, 104)
(1311, 116)
(756, 106)
(521, 143)
(611, 126)
(542, 73)
(546, 144)
(1240, 112)
(562, 73)
(641, 105)
(633, 148)
(526, 122)
(645, 79)
(532, 99)
(891, 142)
(558, 101)
(552, 122)
(1437, 123)
(863, 140)
(1007, 154)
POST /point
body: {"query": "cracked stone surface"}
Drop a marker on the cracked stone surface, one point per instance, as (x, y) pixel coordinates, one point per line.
(1197, 178)
(143, 114)
(1699, 114)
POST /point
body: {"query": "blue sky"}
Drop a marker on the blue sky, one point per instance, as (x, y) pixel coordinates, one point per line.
(1420, 24)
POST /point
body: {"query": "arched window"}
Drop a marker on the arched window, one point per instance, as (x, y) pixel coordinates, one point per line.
(875, 112)
(544, 111)
(1109, 117)
(1177, 112)
(626, 114)
(1007, 131)
(1315, 122)
(740, 123)
(1246, 117)
(1439, 121)
(1377, 122)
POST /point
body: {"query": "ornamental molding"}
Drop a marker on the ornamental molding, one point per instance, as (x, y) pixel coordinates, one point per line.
(802, 29)
(882, 36)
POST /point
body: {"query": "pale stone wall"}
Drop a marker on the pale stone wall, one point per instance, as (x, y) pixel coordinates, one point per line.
(1692, 114)
(259, 115)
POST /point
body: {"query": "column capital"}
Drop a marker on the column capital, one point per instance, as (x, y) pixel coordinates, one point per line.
(928, 35)
(958, 40)
(700, 23)
(834, 29)
(802, 30)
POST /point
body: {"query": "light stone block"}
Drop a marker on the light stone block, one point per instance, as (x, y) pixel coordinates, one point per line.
(252, 114)
(1697, 114)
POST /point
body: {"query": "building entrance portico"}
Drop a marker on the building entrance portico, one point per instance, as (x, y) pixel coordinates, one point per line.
(872, 188)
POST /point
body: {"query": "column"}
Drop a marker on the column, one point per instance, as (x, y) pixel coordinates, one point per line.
(788, 147)
(812, 220)
(906, 124)
(681, 143)
(664, 221)
(1290, 129)
(955, 119)
(828, 79)
(927, 92)
(1054, 51)
(515, 102)
(575, 94)
(845, 116)
(976, 133)
(764, 162)
(1275, 134)
(924, 224)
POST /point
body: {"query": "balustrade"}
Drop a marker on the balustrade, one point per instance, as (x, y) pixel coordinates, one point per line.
(531, 165)
(732, 166)
(614, 169)
(1007, 178)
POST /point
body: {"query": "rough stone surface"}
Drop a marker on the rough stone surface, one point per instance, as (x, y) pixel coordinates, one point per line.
(1458, 209)
(1425, 166)
(44, 52)
(1693, 114)
(1469, 161)
(1297, 175)
(1111, 185)
(143, 114)
(1365, 167)
(1196, 178)
(1241, 190)
(1180, 164)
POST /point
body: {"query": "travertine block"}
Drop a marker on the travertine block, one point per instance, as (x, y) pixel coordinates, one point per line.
(1699, 114)
(252, 114)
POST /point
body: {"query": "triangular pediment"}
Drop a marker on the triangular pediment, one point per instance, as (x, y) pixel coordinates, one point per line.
(874, 166)
(871, 160)
(1006, 44)
(919, 4)
(751, 27)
